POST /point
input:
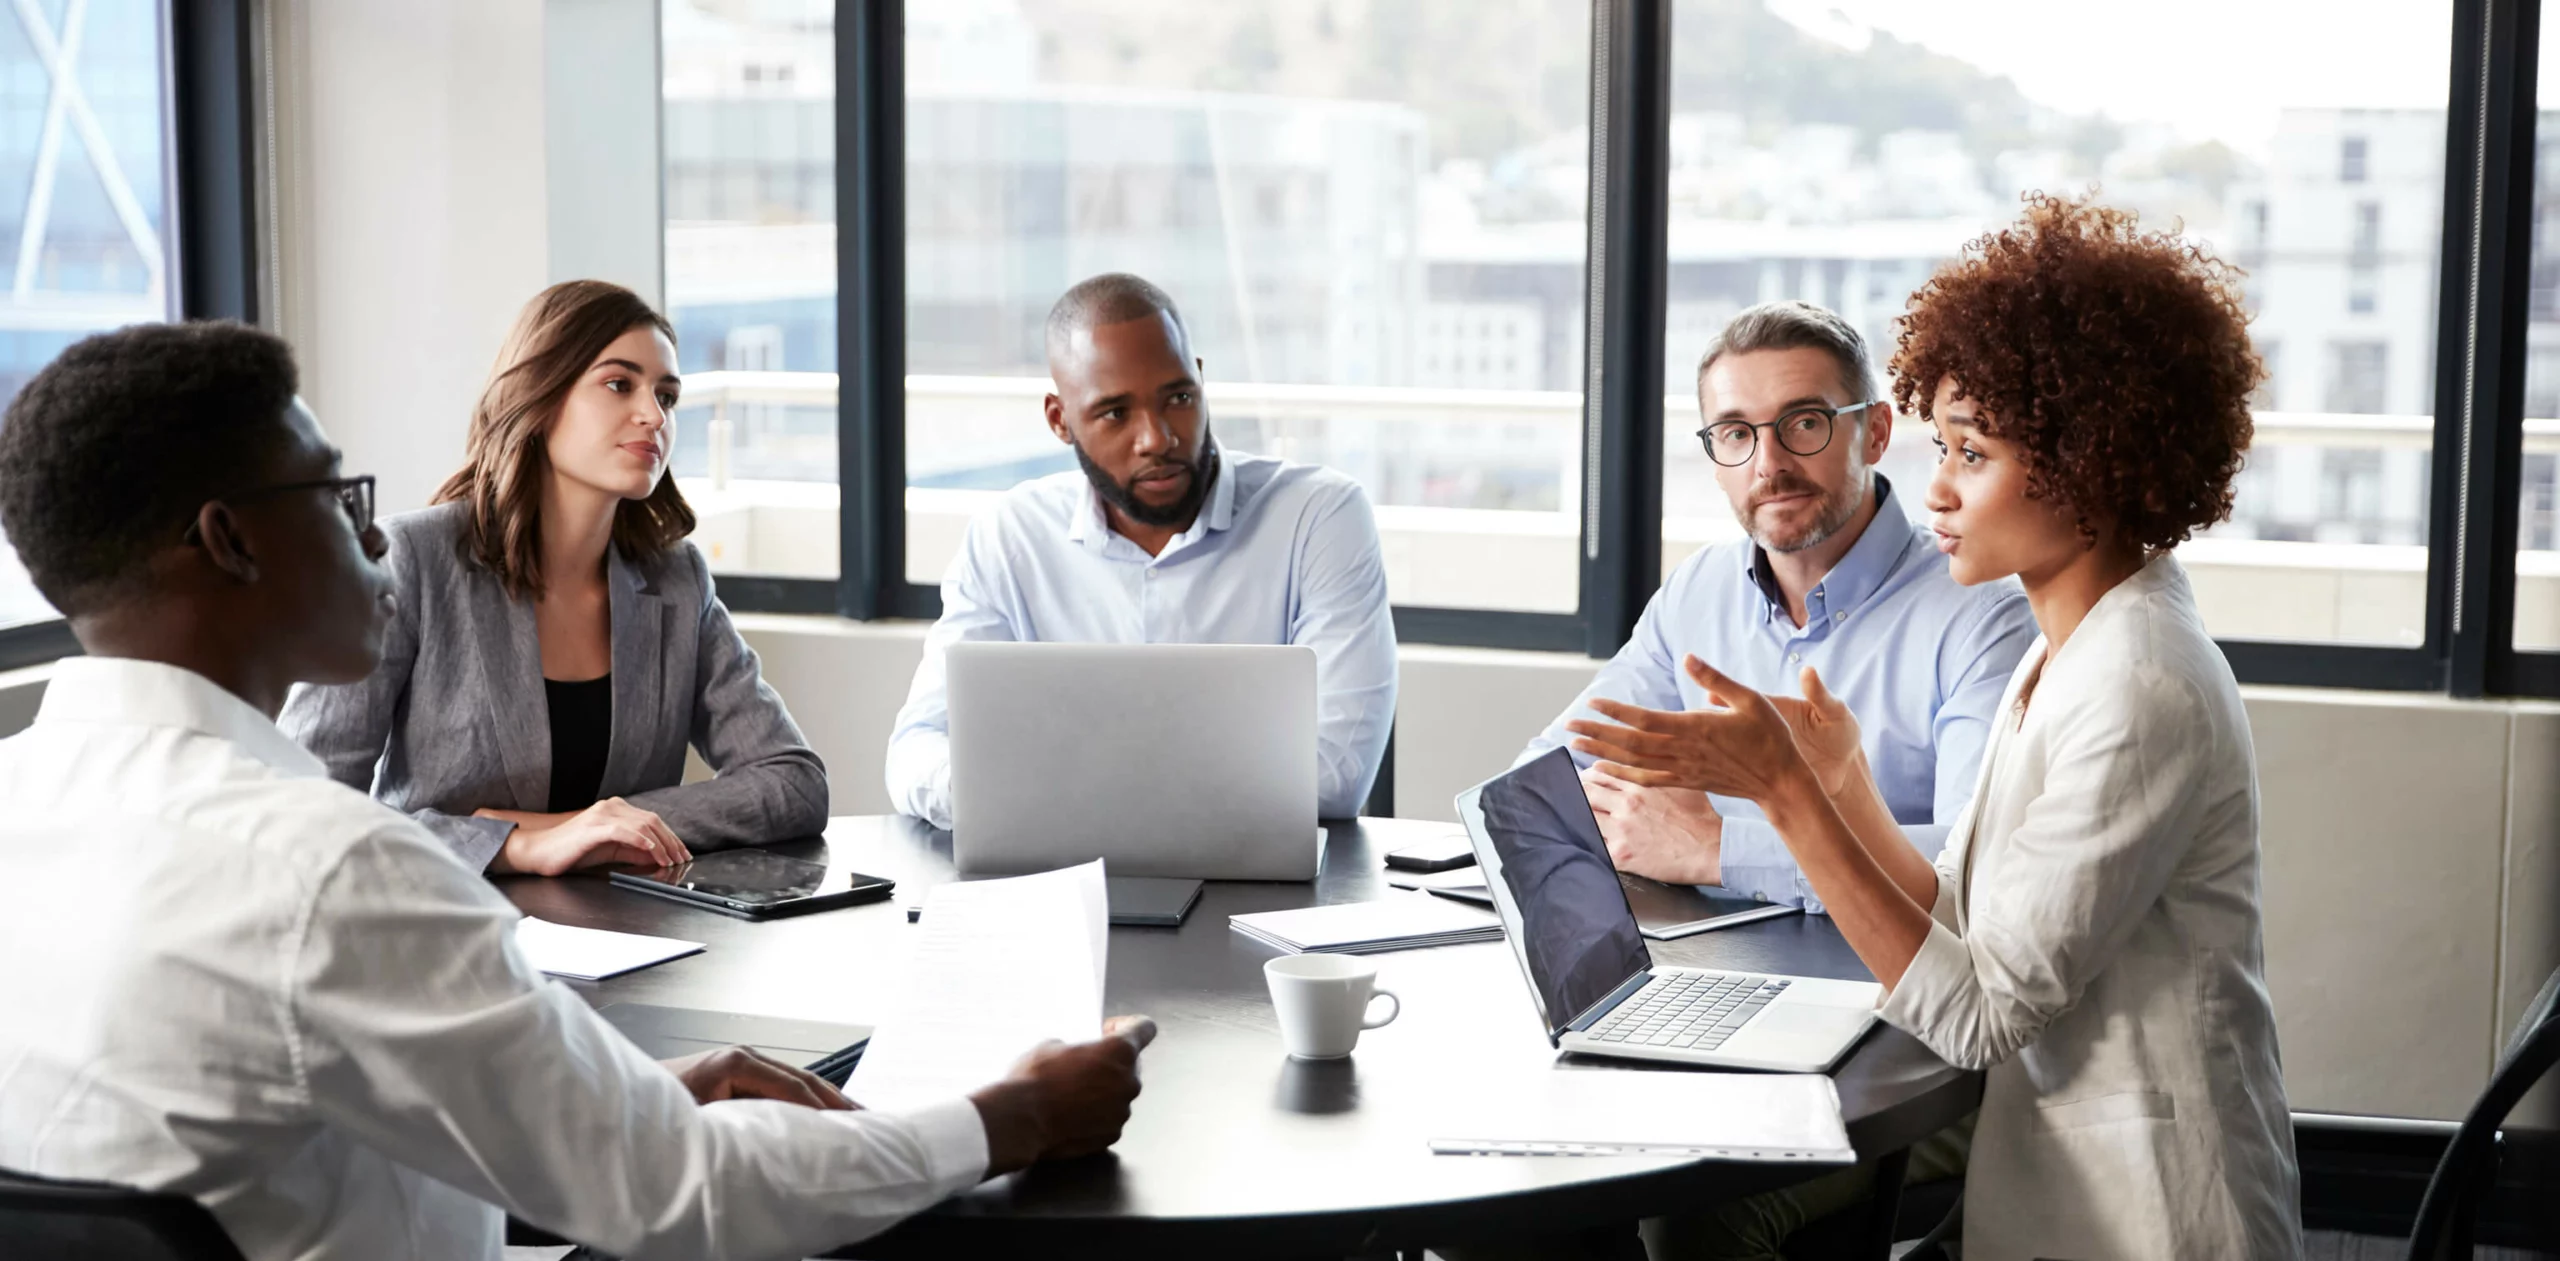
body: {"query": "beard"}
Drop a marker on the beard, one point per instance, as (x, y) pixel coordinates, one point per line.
(1124, 495)
(1834, 510)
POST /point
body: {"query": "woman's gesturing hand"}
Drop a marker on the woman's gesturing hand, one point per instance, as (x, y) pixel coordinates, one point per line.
(1746, 749)
(1826, 732)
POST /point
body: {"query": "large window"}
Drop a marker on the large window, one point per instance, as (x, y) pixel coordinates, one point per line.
(750, 196)
(84, 198)
(2537, 616)
(1372, 216)
(1403, 255)
(1839, 152)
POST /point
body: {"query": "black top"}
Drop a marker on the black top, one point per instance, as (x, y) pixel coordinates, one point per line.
(581, 731)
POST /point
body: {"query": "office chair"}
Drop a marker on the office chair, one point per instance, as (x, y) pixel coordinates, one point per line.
(1927, 1212)
(1382, 794)
(2470, 1162)
(43, 1219)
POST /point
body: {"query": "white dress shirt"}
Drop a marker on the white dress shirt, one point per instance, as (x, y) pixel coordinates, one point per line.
(262, 990)
(1281, 553)
(2097, 946)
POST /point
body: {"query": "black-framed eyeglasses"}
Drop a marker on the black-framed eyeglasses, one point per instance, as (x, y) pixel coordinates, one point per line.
(354, 496)
(1804, 430)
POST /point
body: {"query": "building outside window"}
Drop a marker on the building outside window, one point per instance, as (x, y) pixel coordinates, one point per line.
(2537, 621)
(1838, 153)
(1317, 184)
(2358, 371)
(84, 198)
(1374, 216)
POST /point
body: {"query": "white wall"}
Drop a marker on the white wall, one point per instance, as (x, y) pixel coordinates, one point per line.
(410, 215)
(600, 134)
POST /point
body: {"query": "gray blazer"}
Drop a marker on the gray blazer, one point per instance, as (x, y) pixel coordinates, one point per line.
(455, 719)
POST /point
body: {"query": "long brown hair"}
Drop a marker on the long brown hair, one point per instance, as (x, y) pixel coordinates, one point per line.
(553, 343)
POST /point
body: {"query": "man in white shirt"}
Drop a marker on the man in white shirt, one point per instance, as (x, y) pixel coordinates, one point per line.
(245, 983)
(1163, 538)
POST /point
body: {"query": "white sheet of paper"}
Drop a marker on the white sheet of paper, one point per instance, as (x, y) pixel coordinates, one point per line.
(592, 954)
(1621, 1112)
(998, 967)
(1394, 918)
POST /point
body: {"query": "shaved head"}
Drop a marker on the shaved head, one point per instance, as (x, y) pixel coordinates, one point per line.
(1128, 400)
(1111, 298)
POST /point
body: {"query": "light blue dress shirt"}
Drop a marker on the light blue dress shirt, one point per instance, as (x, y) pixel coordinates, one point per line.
(1920, 660)
(1282, 553)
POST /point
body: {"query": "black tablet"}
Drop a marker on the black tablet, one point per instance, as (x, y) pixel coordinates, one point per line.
(667, 1033)
(754, 884)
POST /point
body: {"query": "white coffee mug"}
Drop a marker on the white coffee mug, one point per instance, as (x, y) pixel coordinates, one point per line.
(1323, 1001)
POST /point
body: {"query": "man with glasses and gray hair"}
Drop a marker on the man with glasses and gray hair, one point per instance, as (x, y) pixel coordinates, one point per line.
(1832, 574)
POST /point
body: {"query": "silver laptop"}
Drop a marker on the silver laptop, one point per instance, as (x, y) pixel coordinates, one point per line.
(1595, 983)
(1188, 760)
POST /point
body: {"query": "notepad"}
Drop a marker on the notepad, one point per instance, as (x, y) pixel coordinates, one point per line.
(996, 968)
(1401, 921)
(592, 954)
(1664, 912)
(1463, 883)
(1622, 1112)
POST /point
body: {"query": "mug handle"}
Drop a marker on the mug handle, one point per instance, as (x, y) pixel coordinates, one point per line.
(1397, 1009)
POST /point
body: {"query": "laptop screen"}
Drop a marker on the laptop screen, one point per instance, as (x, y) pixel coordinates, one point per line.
(1562, 907)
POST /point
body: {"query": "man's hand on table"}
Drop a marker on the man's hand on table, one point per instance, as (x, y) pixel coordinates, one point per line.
(1673, 835)
(737, 1072)
(1062, 1100)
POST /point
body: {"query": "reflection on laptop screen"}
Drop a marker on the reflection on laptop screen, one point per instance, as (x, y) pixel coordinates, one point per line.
(1576, 936)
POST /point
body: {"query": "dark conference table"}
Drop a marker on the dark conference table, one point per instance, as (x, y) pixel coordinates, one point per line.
(1234, 1149)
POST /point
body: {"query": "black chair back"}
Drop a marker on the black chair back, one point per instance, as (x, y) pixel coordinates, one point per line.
(1382, 794)
(43, 1219)
(2470, 1162)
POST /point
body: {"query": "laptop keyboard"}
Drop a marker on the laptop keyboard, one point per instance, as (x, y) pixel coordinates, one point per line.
(1689, 1010)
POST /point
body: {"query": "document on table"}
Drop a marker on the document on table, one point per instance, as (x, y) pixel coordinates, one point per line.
(592, 954)
(999, 967)
(1629, 1112)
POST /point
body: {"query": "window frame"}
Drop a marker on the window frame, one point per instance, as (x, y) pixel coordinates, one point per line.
(2471, 513)
(1619, 545)
(2483, 659)
(2491, 117)
(211, 115)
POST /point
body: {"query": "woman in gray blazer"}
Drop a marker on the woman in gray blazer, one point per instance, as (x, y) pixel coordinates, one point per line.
(558, 643)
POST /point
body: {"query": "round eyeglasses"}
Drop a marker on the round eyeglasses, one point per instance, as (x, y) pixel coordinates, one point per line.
(354, 496)
(1804, 429)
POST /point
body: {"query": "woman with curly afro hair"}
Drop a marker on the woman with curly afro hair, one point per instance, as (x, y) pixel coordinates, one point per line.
(2091, 935)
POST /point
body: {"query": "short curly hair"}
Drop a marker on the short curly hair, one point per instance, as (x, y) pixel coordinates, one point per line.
(2117, 360)
(110, 450)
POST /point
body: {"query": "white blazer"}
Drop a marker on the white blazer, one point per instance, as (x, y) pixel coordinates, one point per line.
(2097, 947)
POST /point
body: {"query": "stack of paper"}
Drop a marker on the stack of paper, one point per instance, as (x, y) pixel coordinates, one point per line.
(592, 954)
(1463, 883)
(1621, 1112)
(1664, 912)
(1398, 922)
(999, 967)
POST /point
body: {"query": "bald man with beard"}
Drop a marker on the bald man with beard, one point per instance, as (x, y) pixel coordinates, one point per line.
(1162, 537)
